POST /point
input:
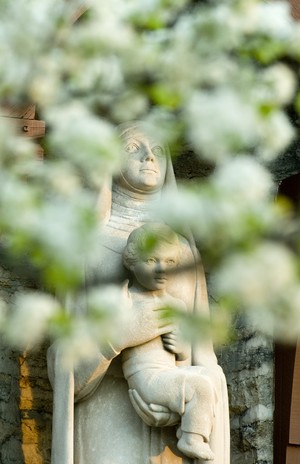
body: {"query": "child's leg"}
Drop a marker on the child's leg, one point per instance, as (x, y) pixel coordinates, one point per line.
(194, 446)
(187, 391)
(197, 419)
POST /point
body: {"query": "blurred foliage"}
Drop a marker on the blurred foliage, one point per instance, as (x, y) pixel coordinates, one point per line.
(216, 76)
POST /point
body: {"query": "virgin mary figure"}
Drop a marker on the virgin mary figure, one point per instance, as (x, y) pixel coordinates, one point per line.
(96, 419)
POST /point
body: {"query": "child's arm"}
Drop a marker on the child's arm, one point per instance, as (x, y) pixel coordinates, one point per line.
(173, 341)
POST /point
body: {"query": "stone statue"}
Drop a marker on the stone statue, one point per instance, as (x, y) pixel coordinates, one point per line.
(94, 420)
(150, 369)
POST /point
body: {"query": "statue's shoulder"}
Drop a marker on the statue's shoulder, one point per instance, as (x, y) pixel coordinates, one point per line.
(175, 302)
(104, 263)
(113, 239)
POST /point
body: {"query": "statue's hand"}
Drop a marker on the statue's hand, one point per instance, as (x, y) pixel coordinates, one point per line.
(174, 343)
(154, 415)
(139, 322)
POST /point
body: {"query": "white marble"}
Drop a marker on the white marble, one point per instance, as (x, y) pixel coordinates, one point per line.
(112, 425)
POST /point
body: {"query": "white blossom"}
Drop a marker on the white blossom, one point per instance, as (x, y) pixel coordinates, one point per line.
(89, 141)
(114, 34)
(219, 122)
(104, 300)
(245, 179)
(274, 19)
(193, 72)
(280, 320)
(235, 202)
(27, 32)
(258, 276)
(62, 177)
(281, 82)
(277, 133)
(131, 106)
(78, 346)
(98, 323)
(28, 322)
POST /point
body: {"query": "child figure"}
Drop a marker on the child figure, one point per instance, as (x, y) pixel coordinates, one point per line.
(151, 368)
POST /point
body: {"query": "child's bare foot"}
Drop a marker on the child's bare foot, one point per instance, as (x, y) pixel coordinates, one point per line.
(194, 446)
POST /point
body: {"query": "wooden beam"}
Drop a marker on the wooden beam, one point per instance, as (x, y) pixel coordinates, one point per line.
(17, 111)
(30, 127)
(23, 117)
(295, 8)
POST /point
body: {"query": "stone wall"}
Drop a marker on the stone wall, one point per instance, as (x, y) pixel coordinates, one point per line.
(10, 421)
(25, 395)
(248, 366)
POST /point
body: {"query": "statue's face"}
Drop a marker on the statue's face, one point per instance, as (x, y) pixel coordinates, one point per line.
(145, 163)
(151, 272)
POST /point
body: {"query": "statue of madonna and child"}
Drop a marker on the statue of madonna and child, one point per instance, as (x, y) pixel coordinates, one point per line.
(150, 397)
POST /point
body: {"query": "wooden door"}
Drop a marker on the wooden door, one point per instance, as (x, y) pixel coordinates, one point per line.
(293, 446)
(287, 375)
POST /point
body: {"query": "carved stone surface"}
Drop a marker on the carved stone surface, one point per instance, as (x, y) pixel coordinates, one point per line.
(108, 429)
(152, 369)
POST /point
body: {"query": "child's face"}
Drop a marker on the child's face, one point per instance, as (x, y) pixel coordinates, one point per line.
(152, 271)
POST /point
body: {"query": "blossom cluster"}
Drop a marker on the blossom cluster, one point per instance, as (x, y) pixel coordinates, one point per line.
(213, 74)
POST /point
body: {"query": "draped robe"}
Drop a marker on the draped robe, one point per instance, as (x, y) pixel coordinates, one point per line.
(107, 429)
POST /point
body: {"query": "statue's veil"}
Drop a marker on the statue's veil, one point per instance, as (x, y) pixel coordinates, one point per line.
(105, 194)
